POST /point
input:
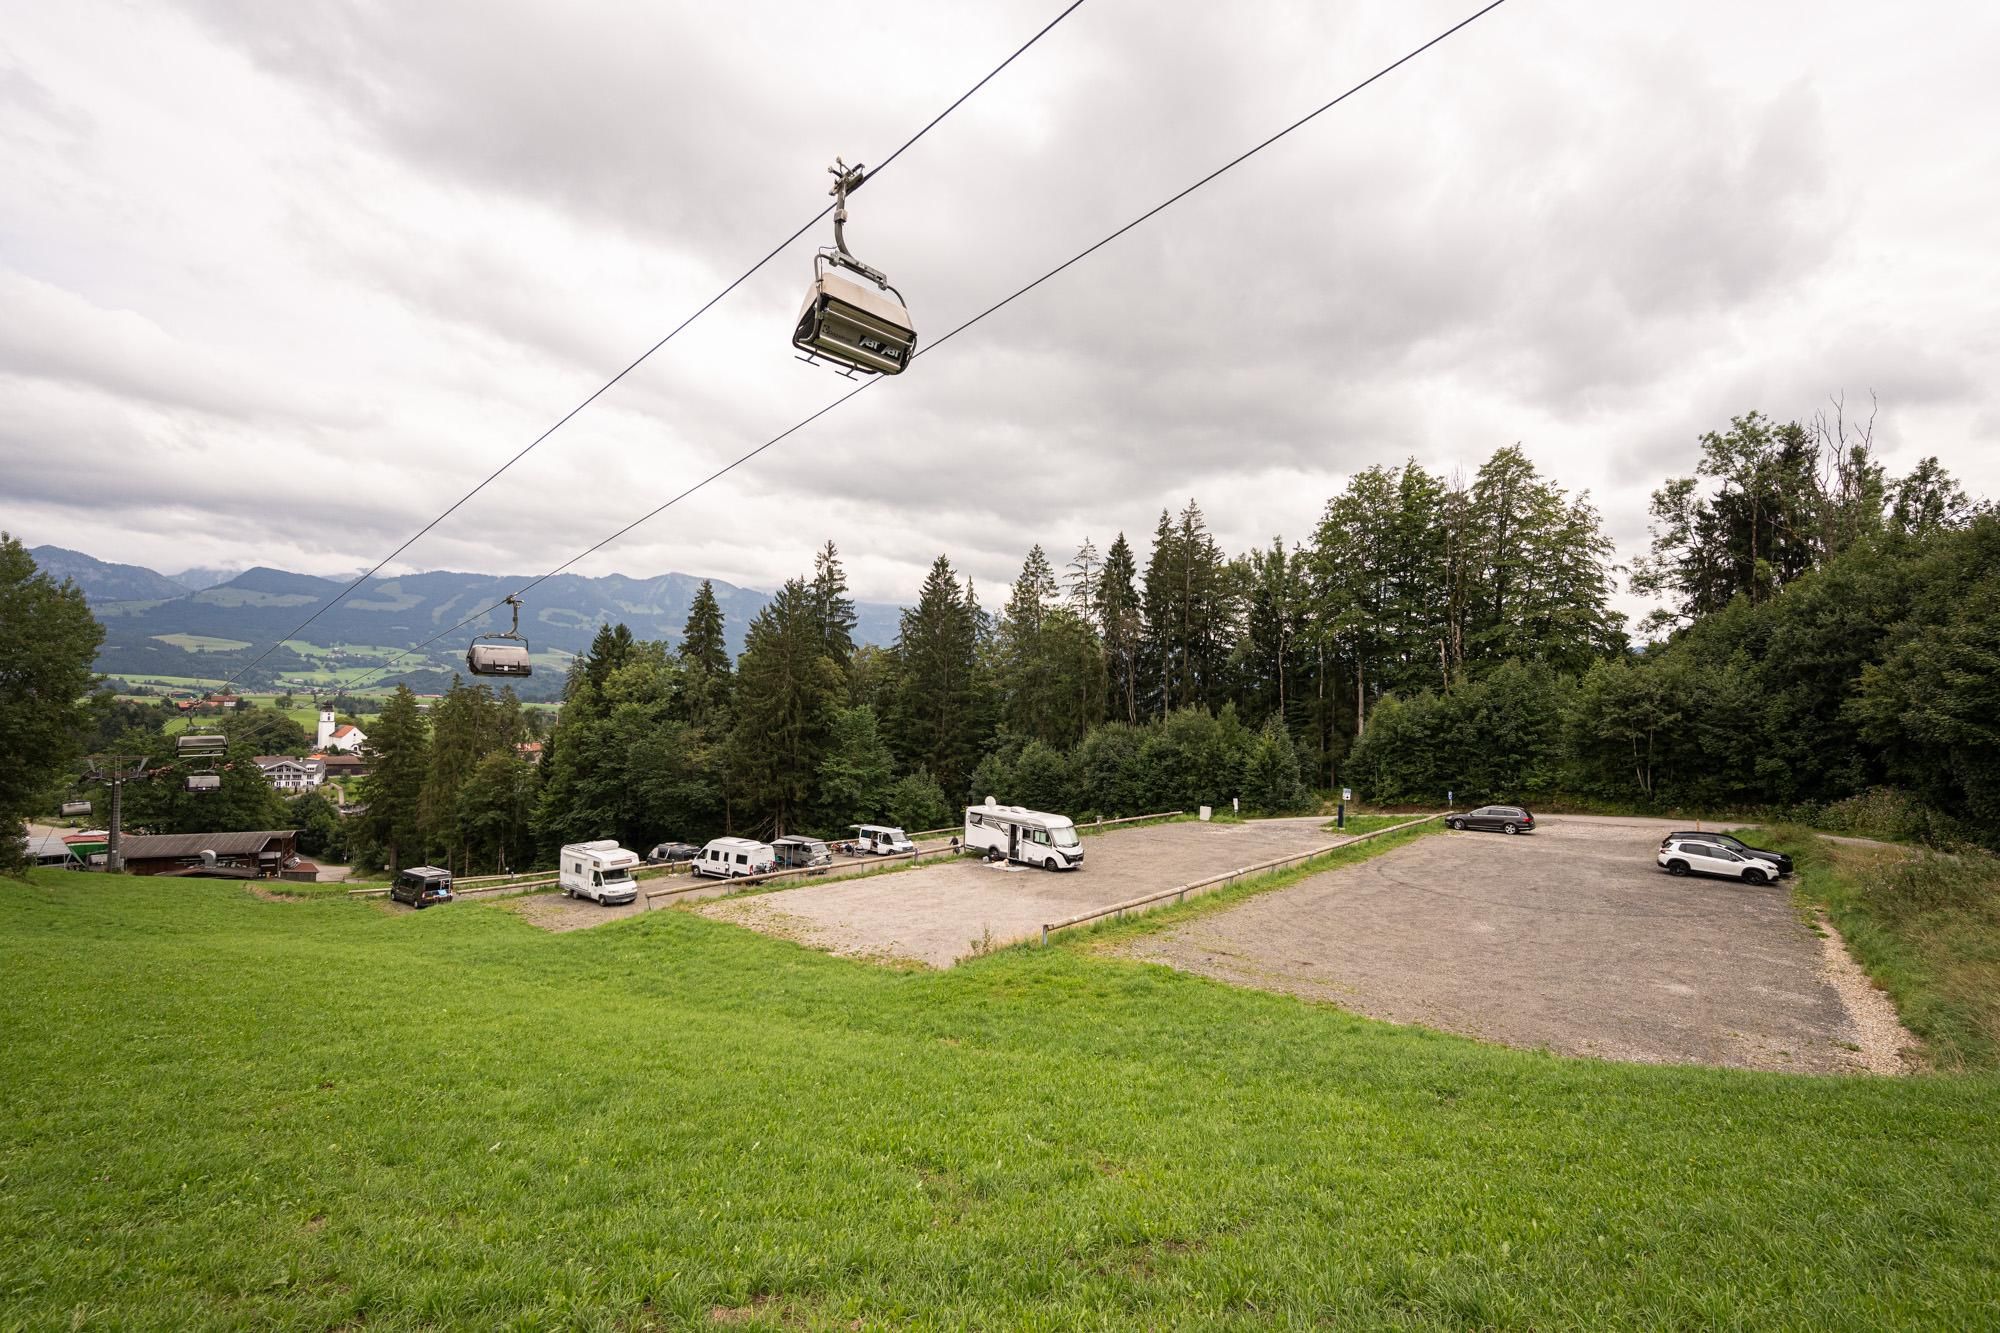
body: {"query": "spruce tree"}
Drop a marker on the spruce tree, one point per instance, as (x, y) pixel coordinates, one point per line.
(394, 788)
(832, 607)
(787, 687)
(936, 722)
(1120, 623)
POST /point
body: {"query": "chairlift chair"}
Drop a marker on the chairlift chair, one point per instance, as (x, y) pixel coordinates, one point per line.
(503, 654)
(844, 320)
(200, 746)
(205, 780)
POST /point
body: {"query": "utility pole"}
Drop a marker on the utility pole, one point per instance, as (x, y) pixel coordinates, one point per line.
(114, 771)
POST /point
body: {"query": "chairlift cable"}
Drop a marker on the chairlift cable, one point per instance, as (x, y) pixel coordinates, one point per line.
(1238, 160)
(643, 356)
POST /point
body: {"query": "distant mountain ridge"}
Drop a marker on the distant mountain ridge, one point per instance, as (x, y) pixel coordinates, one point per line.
(154, 626)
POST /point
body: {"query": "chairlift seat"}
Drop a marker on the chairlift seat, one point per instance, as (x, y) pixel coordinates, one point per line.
(490, 658)
(192, 746)
(855, 324)
(204, 782)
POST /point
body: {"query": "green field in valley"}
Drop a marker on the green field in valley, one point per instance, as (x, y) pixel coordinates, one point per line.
(220, 1111)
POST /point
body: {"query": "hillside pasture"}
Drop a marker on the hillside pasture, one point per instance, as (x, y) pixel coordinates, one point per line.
(219, 1110)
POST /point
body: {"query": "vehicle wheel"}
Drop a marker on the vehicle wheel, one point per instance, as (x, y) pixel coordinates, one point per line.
(1509, 828)
(1753, 876)
(1677, 867)
(1458, 824)
(1049, 864)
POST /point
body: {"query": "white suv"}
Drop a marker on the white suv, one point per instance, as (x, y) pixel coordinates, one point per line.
(1682, 856)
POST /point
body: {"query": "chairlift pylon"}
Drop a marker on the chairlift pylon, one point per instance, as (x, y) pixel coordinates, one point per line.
(844, 320)
(504, 654)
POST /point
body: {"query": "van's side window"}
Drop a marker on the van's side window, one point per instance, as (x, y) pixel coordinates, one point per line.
(743, 858)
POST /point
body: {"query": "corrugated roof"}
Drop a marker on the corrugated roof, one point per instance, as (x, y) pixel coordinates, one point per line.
(153, 846)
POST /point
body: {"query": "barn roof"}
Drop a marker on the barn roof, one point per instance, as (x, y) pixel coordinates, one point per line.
(152, 846)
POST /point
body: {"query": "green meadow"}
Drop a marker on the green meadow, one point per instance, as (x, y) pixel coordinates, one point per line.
(218, 1111)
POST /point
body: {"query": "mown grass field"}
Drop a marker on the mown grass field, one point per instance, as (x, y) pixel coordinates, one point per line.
(218, 1111)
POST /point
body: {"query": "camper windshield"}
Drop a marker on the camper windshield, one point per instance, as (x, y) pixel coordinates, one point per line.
(1065, 836)
(618, 876)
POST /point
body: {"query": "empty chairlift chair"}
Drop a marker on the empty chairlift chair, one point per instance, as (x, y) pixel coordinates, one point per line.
(500, 654)
(847, 321)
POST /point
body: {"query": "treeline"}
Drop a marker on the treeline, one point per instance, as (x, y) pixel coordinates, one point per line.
(1834, 632)
(1435, 634)
(1118, 684)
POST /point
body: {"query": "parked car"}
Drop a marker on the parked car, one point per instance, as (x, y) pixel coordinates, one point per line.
(420, 886)
(1737, 845)
(1495, 819)
(672, 853)
(1701, 855)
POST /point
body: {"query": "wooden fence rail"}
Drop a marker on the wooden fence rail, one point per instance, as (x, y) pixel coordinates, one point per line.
(1181, 892)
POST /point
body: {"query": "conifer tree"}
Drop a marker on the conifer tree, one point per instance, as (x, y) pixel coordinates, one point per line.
(787, 687)
(394, 788)
(936, 723)
(1120, 622)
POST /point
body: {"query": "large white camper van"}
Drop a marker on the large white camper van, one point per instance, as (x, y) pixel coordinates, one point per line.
(600, 870)
(1028, 836)
(727, 858)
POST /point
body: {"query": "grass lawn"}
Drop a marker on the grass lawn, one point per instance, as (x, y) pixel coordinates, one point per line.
(217, 1111)
(1926, 926)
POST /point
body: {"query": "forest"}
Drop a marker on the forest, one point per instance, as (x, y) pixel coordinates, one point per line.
(1827, 648)
(1829, 645)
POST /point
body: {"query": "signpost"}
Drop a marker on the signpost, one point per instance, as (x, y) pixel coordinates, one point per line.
(1340, 815)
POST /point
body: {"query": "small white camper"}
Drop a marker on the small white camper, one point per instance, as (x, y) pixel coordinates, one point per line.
(727, 858)
(881, 839)
(1008, 832)
(600, 871)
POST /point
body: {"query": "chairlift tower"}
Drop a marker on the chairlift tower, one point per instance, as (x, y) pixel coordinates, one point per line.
(114, 771)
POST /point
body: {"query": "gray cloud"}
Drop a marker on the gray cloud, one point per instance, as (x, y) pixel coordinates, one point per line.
(354, 257)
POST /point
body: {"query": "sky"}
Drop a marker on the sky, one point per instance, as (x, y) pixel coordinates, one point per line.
(278, 283)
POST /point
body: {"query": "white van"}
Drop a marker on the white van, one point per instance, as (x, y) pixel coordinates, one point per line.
(600, 871)
(881, 839)
(727, 858)
(1028, 836)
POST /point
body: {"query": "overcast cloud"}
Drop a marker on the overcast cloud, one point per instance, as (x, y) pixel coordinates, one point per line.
(278, 282)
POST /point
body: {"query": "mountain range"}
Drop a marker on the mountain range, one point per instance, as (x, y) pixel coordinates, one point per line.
(156, 626)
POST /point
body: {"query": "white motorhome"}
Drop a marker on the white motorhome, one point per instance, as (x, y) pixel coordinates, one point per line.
(600, 871)
(727, 858)
(1030, 837)
(881, 839)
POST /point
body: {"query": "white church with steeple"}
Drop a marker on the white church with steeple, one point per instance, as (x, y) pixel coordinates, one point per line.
(345, 738)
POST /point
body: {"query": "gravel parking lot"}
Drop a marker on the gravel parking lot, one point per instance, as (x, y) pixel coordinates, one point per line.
(1569, 938)
(940, 914)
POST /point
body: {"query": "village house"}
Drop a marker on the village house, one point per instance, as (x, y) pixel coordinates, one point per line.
(292, 775)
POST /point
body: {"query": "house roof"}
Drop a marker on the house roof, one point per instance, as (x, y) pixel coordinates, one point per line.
(156, 846)
(345, 729)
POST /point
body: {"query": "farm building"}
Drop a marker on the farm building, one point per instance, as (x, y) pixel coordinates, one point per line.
(268, 853)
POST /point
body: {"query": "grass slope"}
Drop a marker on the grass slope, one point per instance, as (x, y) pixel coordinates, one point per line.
(217, 1111)
(1927, 928)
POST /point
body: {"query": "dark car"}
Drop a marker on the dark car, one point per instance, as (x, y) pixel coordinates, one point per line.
(1778, 859)
(1495, 819)
(669, 853)
(420, 886)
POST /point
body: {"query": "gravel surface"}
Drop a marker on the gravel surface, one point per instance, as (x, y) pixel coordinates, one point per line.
(940, 914)
(1569, 938)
